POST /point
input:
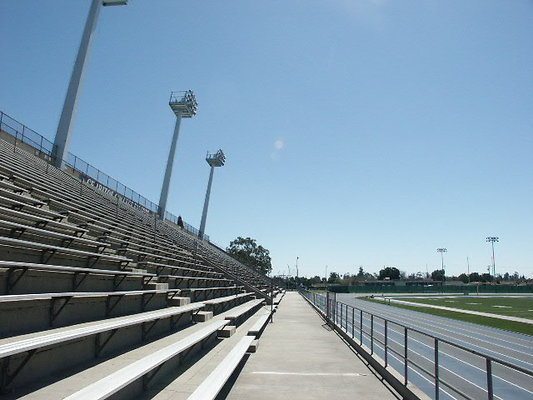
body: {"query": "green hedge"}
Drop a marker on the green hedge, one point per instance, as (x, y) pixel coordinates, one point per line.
(432, 289)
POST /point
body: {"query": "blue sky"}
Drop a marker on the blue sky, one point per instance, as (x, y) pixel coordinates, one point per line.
(357, 132)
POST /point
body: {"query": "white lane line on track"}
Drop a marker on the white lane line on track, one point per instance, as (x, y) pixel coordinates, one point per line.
(421, 376)
(422, 321)
(500, 336)
(442, 352)
(461, 361)
(440, 365)
(409, 314)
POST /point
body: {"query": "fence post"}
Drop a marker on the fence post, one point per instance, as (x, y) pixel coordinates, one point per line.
(341, 317)
(385, 345)
(405, 355)
(371, 334)
(436, 369)
(353, 322)
(489, 380)
(361, 327)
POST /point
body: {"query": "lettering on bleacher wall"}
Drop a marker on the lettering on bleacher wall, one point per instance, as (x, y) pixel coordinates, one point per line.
(94, 183)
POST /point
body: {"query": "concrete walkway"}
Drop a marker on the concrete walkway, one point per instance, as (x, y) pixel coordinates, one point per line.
(460, 310)
(299, 358)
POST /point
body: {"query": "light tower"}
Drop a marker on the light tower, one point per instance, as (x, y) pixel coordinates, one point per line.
(491, 240)
(70, 107)
(214, 160)
(442, 250)
(184, 105)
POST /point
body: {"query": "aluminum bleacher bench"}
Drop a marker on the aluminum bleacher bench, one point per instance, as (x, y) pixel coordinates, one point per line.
(240, 311)
(114, 382)
(4, 183)
(213, 384)
(79, 273)
(259, 325)
(57, 302)
(17, 230)
(34, 344)
(41, 222)
(200, 281)
(19, 205)
(220, 300)
(48, 251)
(218, 304)
(159, 267)
(22, 198)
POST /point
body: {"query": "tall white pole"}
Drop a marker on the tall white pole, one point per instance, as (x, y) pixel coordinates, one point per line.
(206, 203)
(70, 107)
(168, 172)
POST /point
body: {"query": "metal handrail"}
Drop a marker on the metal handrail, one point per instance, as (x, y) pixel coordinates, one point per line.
(335, 310)
(26, 135)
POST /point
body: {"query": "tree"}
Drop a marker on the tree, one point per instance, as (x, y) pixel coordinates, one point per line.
(361, 273)
(247, 251)
(438, 275)
(389, 272)
(334, 278)
(463, 278)
(474, 277)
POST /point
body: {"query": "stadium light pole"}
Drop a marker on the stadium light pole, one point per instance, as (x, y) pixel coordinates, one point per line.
(442, 250)
(214, 160)
(70, 106)
(491, 240)
(184, 105)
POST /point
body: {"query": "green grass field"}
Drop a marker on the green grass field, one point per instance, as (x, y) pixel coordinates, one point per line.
(476, 319)
(514, 307)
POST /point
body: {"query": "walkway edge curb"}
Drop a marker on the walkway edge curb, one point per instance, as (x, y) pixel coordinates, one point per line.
(393, 378)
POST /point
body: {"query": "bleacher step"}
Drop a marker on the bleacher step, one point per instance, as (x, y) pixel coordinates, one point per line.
(253, 346)
(157, 286)
(179, 301)
(227, 331)
(203, 316)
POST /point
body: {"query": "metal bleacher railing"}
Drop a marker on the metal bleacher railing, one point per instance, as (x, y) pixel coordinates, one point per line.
(353, 321)
(45, 147)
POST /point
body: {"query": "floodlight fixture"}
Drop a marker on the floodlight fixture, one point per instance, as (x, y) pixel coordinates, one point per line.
(492, 240)
(184, 105)
(114, 3)
(214, 160)
(70, 106)
(442, 250)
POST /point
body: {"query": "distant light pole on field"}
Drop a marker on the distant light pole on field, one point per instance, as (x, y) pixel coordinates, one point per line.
(493, 239)
(442, 250)
(70, 106)
(184, 105)
(214, 160)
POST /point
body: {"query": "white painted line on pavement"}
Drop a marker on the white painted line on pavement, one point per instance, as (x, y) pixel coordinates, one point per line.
(307, 373)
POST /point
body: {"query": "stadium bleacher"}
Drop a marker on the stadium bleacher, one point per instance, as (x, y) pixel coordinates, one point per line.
(100, 298)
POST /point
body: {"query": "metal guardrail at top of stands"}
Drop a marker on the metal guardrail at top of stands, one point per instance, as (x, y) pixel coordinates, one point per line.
(345, 316)
(26, 135)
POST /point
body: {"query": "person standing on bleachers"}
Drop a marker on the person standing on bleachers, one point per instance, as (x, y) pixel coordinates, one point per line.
(180, 222)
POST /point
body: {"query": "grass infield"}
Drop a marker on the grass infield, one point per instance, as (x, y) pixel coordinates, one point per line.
(511, 306)
(476, 319)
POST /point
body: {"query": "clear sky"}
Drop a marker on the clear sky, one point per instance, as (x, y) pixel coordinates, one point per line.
(357, 132)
